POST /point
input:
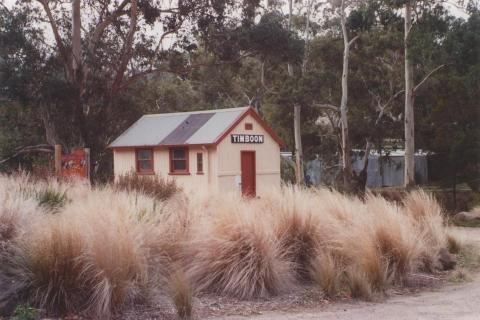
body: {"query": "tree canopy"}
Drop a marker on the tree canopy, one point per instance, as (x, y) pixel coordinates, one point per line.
(142, 57)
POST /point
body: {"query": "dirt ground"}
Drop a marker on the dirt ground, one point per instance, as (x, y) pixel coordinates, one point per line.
(448, 301)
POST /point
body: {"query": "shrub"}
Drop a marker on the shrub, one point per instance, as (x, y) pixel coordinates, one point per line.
(154, 186)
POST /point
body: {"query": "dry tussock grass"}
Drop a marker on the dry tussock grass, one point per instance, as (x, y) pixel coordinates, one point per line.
(232, 251)
(104, 249)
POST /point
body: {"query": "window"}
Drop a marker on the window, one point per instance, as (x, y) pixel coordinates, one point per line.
(199, 162)
(179, 160)
(144, 161)
(248, 126)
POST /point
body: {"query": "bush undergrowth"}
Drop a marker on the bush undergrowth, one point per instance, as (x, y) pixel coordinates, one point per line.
(152, 185)
(140, 240)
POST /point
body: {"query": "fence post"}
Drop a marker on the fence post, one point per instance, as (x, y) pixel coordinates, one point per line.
(87, 159)
(58, 160)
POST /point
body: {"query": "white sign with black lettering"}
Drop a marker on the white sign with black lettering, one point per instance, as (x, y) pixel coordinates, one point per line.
(247, 138)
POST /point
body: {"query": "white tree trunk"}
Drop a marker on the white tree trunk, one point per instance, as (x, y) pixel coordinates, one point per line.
(346, 159)
(299, 175)
(76, 37)
(409, 172)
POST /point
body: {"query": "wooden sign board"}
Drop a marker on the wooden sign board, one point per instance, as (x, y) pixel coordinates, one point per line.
(74, 165)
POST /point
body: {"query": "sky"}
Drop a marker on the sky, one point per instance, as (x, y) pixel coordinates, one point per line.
(454, 9)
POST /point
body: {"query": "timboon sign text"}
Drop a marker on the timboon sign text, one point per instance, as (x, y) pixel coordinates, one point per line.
(247, 138)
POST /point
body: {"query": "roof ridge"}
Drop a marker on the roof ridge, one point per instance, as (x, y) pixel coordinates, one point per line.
(194, 112)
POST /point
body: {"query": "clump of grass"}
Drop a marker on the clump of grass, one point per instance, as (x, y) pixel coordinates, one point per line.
(234, 253)
(468, 224)
(154, 186)
(297, 229)
(51, 199)
(325, 271)
(52, 257)
(460, 275)
(358, 284)
(427, 217)
(453, 244)
(182, 294)
(395, 237)
(91, 258)
(468, 258)
(25, 312)
(110, 247)
(16, 212)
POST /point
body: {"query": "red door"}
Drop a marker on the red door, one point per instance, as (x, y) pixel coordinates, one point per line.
(248, 173)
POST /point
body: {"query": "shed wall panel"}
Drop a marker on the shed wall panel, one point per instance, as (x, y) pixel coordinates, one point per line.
(267, 158)
(124, 161)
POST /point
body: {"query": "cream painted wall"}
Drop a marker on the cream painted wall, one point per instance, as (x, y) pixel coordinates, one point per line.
(192, 181)
(267, 159)
(124, 162)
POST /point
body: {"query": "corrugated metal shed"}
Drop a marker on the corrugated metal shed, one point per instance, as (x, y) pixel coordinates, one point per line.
(184, 128)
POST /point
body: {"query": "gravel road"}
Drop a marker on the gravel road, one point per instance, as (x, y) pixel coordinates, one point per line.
(453, 301)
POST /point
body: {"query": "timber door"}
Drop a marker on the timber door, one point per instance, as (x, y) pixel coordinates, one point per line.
(248, 173)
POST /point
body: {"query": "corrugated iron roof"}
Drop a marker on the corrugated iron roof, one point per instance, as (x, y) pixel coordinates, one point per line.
(196, 127)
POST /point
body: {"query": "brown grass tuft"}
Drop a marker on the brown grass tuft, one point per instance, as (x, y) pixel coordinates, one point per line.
(325, 271)
(428, 220)
(108, 248)
(297, 228)
(234, 253)
(182, 294)
(154, 185)
(358, 283)
(453, 244)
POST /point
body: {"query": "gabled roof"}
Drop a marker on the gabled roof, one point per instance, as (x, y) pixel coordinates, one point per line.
(186, 128)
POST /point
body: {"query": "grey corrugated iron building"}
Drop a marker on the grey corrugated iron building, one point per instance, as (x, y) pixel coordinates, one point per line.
(384, 170)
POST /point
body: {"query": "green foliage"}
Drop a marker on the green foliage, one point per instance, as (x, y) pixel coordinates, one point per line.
(51, 199)
(229, 62)
(287, 171)
(25, 312)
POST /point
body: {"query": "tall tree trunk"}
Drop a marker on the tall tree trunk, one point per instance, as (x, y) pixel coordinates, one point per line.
(346, 158)
(76, 37)
(299, 175)
(361, 177)
(409, 172)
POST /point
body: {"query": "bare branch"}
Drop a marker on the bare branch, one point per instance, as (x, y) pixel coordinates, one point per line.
(127, 47)
(326, 106)
(159, 45)
(104, 24)
(28, 149)
(427, 76)
(58, 39)
(353, 40)
(5, 7)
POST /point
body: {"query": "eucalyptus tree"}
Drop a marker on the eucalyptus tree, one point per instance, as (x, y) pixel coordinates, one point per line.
(102, 50)
(340, 120)
(414, 10)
